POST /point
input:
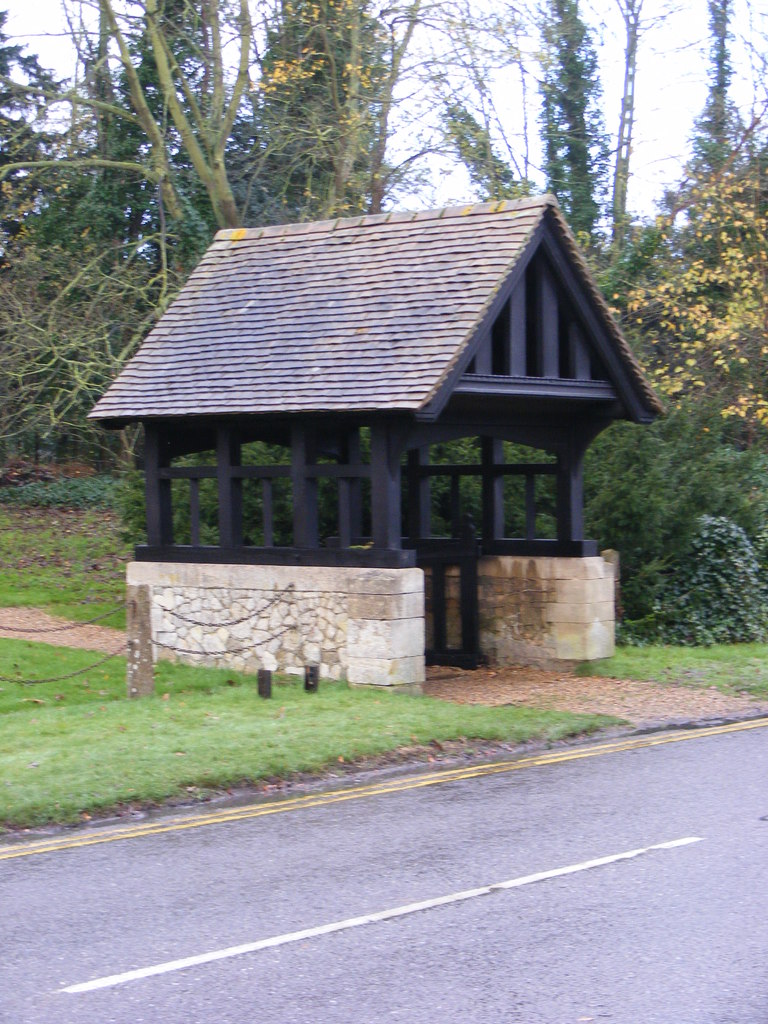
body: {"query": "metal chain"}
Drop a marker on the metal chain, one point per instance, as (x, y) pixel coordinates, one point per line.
(209, 654)
(66, 626)
(159, 643)
(68, 675)
(230, 650)
(232, 622)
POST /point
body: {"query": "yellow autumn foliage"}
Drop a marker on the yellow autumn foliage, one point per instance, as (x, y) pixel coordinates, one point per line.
(704, 319)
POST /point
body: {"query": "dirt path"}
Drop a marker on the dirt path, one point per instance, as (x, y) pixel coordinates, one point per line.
(641, 703)
(33, 624)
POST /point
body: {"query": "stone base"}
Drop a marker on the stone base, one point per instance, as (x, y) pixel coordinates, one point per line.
(539, 610)
(362, 625)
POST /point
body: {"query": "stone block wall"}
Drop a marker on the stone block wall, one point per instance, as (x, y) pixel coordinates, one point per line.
(362, 625)
(537, 610)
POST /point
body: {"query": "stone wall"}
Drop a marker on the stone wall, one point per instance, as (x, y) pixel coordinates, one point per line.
(535, 610)
(366, 626)
(362, 625)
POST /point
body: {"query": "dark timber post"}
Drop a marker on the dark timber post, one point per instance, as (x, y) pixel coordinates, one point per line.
(570, 492)
(350, 491)
(158, 491)
(230, 487)
(493, 488)
(419, 496)
(385, 488)
(304, 486)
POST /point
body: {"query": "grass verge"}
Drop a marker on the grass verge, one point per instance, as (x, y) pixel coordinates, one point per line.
(77, 747)
(732, 668)
(70, 563)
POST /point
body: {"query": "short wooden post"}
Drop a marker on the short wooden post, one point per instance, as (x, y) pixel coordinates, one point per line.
(265, 683)
(140, 675)
(311, 678)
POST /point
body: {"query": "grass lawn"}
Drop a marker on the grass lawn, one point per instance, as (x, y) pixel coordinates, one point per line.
(732, 668)
(75, 747)
(78, 746)
(70, 563)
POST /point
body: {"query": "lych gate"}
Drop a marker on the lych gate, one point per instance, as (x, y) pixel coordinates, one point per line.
(369, 350)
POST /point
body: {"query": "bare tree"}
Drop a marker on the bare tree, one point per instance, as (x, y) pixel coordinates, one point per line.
(631, 11)
(201, 112)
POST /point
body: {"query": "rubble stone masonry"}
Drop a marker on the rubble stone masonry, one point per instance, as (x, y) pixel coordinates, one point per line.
(362, 625)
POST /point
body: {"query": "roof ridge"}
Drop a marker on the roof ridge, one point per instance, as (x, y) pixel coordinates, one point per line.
(390, 217)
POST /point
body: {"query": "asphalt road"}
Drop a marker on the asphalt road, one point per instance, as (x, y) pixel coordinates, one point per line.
(270, 910)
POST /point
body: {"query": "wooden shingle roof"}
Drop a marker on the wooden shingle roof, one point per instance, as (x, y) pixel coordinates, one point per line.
(361, 314)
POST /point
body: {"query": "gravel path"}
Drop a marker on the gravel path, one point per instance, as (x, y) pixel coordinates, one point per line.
(640, 703)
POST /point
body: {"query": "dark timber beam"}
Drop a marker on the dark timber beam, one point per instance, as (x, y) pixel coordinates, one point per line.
(548, 436)
(630, 395)
(583, 389)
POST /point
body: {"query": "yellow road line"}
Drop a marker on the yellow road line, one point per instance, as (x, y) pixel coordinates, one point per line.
(119, 833)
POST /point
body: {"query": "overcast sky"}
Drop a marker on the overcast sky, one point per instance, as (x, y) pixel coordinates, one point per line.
(670, 89)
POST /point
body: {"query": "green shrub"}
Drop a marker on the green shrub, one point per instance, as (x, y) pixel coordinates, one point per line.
(68, 492)
(713, 594)
(646, 488)
(131, 507)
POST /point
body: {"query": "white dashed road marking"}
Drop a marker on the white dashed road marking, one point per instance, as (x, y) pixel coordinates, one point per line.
(355, 922)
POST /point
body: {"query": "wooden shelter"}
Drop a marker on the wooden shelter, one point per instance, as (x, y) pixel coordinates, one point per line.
(358, 345)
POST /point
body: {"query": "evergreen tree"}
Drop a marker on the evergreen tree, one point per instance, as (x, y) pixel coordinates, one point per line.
(324, 73)
(491, 175)
(719, 126)
(575, 147)
(23, 84)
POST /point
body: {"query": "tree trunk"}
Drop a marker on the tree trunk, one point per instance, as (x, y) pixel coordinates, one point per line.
(631, 10)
